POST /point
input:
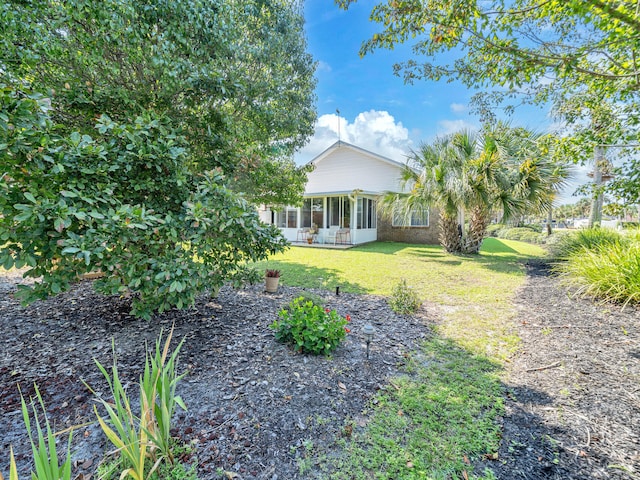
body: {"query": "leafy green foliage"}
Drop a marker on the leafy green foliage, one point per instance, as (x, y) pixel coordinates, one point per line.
(404, 299)
(134, 136)
(143, 442)
(608, 270)
(573, 45)
(522, 234)
(585, 240)
(235, 78)
(124, 203)
(576, 55)
(309, 327)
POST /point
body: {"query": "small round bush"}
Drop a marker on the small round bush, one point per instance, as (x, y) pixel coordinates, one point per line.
(404, 300)
(309, 327)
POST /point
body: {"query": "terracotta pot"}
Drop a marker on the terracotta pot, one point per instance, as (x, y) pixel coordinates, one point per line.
(310, 240)
(271, 284)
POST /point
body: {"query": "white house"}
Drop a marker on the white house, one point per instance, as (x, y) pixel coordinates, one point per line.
(340, 202)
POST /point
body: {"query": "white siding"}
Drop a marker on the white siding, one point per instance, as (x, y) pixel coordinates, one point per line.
(345, 170)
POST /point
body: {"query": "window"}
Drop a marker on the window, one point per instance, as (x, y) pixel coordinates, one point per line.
(312, 212)
(292, 218)
(287, 218)
(366, 213)
(415, 218)
(339, 212)
(306, 213)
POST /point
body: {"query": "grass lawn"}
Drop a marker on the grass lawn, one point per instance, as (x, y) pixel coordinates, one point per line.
(443, 411)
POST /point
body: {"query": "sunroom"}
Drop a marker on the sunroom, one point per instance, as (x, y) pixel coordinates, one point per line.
(339, 218)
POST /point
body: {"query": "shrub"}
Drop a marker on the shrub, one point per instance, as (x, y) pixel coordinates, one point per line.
(309, 327)
(609, 272)
(585, 240)
(494, 228)
(404, 300)
(522, 234)
(311, 297)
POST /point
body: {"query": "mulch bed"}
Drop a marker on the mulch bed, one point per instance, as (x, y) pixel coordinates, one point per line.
(255, 406)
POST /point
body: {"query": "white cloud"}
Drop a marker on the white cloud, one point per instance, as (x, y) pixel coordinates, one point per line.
(323, 67)
(376, 131)
(458, 108)
(445, 127)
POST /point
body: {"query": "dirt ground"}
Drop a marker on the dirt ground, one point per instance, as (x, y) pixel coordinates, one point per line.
(254, 406)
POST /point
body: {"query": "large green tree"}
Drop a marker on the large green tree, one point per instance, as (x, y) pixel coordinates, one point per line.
(234, 76)
(580, 56)
(542, 49)
(136, 137)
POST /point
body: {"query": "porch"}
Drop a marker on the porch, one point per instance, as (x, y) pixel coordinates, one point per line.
(326, 246)
(340, 219)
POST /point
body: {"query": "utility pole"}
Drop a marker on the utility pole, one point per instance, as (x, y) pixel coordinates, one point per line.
(595, 217)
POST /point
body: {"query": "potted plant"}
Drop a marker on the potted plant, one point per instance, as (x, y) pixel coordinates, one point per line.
(271, 279)
(312, 231)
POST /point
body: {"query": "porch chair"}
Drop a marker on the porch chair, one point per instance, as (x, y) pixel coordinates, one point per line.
(302, 233)
(343, 235)
(332, 233)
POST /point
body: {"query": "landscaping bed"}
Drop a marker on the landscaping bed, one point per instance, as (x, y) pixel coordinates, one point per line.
(573, 398)
(256, 407)
(259, 410)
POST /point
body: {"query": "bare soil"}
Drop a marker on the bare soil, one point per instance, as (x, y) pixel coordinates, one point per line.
(256, 406)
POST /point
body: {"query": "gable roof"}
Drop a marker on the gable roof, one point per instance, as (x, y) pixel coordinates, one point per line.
(344, 145)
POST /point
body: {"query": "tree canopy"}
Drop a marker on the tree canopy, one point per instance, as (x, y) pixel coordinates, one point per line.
(543, 49)
(234, 76)
(580, 56)
(137, 136)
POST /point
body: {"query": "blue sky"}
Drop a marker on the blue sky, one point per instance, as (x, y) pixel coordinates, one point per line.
(378, 111)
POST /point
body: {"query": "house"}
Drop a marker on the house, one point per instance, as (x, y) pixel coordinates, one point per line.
(341, 202)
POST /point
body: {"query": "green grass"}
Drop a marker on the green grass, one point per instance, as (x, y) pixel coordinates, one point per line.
(444, 409)
(430, 421)
(475, 292)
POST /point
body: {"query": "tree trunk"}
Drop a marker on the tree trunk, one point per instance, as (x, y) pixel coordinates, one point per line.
(449, 234)
(478, 222)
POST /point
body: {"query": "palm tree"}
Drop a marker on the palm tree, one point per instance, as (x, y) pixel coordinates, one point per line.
(511, 174)
(500, 169)
(434, 176)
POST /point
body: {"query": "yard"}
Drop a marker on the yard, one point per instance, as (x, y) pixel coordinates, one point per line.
(499, 375)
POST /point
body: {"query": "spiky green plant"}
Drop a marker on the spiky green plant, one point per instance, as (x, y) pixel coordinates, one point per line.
(43, 444)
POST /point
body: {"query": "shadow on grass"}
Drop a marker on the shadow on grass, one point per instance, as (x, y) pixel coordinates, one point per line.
(303, 275)
(444, 412)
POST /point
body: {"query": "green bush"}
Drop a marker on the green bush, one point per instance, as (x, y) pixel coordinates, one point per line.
(585, 240)
(309, 327)
(122, 201)
(404, 300)
(313, 298)
(522, 234)
(494, 228)
(610, 271)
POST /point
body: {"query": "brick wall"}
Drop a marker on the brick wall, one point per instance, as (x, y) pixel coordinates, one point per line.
(427, 235)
